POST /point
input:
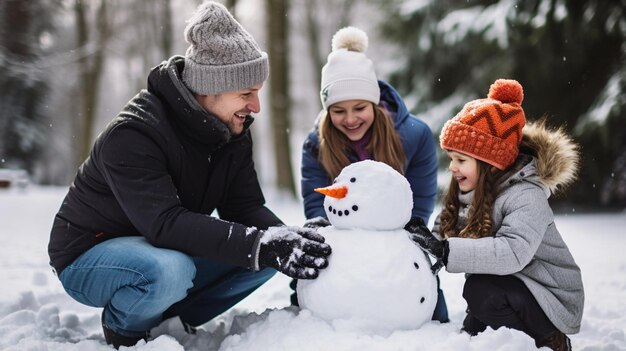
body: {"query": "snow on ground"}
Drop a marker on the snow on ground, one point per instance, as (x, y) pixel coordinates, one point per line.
(37, 315)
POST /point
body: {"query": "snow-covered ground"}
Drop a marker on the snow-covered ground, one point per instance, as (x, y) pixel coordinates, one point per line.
(36, 314)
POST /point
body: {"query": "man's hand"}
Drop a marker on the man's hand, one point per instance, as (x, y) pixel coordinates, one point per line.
(297, 252)
(316, 222)
(421, 235)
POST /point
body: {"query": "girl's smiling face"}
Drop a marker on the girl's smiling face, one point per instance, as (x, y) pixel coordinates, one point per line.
(464, 169)
(353, 117)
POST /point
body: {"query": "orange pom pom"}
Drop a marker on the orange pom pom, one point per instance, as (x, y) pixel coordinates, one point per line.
(507, 91)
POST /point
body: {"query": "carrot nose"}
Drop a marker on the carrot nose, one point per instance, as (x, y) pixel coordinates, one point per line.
(336, 191)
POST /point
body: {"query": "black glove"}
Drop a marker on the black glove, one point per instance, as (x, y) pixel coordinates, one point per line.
(421, 235)
(311, 223)
(316, 222)
(297, 252)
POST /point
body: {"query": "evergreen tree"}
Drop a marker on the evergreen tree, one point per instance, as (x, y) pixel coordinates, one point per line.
(568, 54)
(24, 26)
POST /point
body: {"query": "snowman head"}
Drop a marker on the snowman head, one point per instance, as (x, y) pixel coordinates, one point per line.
(368, 195)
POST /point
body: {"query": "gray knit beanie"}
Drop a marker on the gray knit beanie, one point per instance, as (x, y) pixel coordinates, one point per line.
(222, 56)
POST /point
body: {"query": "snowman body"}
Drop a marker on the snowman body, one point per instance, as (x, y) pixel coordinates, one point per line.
(379, 279)
(376, 276)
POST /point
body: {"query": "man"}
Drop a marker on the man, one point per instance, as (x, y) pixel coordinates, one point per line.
(134, 234)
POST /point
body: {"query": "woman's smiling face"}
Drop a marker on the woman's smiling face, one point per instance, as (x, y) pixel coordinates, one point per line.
(353, 117)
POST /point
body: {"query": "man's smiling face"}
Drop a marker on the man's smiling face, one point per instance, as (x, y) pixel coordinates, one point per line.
(232, 107)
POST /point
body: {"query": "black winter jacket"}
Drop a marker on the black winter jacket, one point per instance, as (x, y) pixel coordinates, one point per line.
(160, 169)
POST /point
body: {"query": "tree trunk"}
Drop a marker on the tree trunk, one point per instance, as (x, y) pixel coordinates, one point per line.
(166, 32)
(313, 29)
(90, 72)
(277, 29)
(346, 10)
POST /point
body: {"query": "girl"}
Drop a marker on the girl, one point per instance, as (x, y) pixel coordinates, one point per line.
(364, 118)
(497, 226)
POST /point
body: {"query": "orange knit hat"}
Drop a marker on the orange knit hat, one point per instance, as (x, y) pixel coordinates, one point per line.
(489, 129)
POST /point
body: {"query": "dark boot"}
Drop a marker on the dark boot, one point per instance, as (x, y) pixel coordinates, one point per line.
(117, 340)
(556, 341)
(472, 325)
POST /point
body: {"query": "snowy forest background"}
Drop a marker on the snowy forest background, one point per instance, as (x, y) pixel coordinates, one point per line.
(68, 66)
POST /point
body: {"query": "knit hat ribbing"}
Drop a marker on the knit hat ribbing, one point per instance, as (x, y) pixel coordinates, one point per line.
(489, 129)
(222, 55)
(349, 74)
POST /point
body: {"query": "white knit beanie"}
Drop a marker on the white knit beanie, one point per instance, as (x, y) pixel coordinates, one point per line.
(349, 74)
(222, 56)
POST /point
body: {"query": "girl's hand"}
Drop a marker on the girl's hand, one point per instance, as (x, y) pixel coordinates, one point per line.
(421, 235)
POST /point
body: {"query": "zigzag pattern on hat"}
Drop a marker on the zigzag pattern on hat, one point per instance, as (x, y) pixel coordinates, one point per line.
(497, 120)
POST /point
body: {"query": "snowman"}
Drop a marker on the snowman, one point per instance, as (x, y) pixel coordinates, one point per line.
(377, 278)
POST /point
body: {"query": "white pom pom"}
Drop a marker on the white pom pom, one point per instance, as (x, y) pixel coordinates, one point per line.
(350, 38)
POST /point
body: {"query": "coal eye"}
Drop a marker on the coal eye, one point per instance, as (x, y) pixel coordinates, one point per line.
(352, 180)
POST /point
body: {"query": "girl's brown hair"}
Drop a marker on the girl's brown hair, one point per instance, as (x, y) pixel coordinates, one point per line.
(479, 217)
(384, 144)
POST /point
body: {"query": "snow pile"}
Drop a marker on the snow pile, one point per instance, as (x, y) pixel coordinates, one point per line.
(37, 315)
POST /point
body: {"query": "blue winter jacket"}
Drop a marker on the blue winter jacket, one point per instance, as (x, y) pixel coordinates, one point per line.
(420, 168)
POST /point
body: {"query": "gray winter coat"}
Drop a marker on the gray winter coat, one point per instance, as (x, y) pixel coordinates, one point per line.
(525, 241)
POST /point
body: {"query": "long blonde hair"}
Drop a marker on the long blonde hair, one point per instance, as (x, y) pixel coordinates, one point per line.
(384, 144)
(479, 218)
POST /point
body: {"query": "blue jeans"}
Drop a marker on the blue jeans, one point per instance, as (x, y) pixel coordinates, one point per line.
(140, 285)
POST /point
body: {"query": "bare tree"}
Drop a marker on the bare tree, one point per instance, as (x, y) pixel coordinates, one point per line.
(313, 30)
(315, 23)
(166, 28)
(91, 67)
(277, 29)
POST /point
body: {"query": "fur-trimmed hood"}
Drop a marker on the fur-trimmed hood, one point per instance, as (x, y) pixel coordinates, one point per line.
(556, 155)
